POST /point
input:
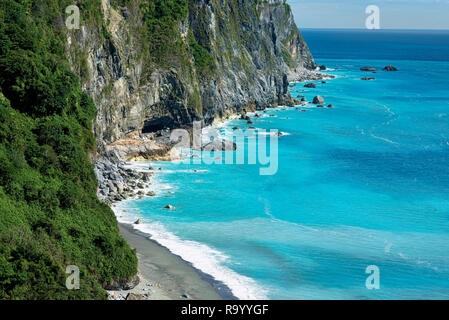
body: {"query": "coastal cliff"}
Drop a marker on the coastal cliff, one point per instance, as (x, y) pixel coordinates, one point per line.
(150, 69)
(76, 103)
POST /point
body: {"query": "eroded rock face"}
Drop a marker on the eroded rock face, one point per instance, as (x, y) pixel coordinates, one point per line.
(368, 69)
(220, 145)
(256, 52)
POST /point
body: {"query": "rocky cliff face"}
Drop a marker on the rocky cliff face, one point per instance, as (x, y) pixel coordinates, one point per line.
(253, 46)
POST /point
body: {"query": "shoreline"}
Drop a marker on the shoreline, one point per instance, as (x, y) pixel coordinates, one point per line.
(166, 276)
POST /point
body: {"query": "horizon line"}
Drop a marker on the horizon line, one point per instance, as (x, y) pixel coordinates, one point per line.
(371, 30)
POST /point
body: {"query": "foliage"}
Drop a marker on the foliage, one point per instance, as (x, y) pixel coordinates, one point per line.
(50, 216)
(161, 18)
(204, 62)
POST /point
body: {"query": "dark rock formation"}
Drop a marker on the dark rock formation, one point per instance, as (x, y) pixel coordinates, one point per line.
(137, 96)
(310, 85)
(135, 296)
(220, 145)
(123, 284)
(368, 69)
(368, 78)
(318, 100)
(390, 68)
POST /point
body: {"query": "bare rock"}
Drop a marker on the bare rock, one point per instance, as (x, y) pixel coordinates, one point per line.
(135, 296)
(318, 100)
(123, 284)
(220, 145)
(390, 68)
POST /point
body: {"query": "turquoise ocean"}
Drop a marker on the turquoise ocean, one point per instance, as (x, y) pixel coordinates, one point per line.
(363, 183)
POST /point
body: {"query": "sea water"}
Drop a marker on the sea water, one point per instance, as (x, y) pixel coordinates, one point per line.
(365, 183)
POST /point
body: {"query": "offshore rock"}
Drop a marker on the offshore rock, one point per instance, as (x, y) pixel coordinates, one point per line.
(318, 100)
(220, 145)
(390, 68)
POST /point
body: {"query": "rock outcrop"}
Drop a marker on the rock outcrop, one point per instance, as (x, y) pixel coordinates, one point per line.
(255, 46)
(220, 145)
(390, 68)
(251, 50)
(124, 284)
(368, 69)
(318, 100)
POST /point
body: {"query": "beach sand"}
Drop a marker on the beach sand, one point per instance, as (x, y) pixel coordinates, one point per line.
(165, 276)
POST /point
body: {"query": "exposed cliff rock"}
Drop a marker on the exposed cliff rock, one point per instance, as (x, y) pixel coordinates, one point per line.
(255, 49)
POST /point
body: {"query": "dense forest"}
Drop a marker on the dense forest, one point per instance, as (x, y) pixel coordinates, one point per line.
(207, 58)
(50, 216)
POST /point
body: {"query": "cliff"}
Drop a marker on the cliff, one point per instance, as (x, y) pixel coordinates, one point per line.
(150, 69)
(105, 93)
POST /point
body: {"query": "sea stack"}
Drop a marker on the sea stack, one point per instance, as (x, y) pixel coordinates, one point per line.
(318, 100)
(390, 68)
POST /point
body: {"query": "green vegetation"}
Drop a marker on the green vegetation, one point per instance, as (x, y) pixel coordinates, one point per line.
(50, 216)
(288, 58)
(162, 17)
(204, 62)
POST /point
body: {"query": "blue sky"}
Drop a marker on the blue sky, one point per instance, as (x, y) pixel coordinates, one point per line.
(394, 14)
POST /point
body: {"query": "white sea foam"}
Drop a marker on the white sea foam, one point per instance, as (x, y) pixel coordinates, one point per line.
(201, 256)
(383, 139)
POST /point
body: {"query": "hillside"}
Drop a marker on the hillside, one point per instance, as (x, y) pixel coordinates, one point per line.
(68, 98)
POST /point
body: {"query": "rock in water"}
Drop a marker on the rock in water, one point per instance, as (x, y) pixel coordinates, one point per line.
(295, 101)
(368, 69)
(323, 68)
(139, 221)
(220, 145)
(310, 85)
(368, 78)
(318, 100)
(169, 207)
(389, 68)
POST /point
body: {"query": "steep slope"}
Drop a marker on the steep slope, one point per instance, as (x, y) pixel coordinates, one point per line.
(133, 69)
(50, 216)
(160, 64)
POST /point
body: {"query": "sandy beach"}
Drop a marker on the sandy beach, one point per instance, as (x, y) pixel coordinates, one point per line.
(165, 276)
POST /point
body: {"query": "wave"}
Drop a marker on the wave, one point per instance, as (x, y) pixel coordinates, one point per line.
(201, 256)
